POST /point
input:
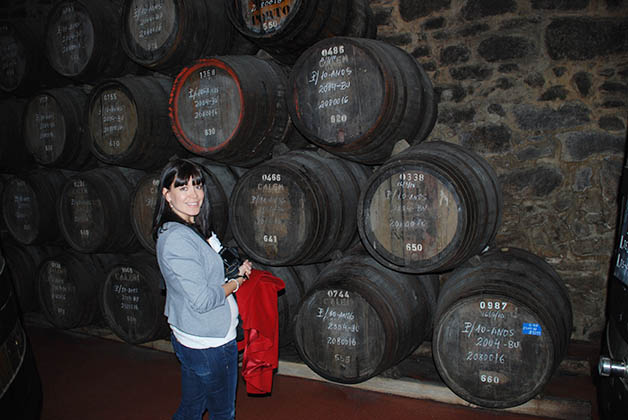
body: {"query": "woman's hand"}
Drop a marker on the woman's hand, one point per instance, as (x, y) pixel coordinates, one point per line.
(244, 270)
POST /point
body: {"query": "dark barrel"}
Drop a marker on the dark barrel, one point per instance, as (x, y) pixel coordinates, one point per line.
(83, 40)
(14, 155)
(298, 279)
(132, 300)
(93, 210)
(298, 208)
(285, 28)
(360, 318)
(23, 262)
(55, 130)
(357, 97)
(29, 206)
(230, 109)
(128, 122)
(429, 208)
(23, 66)
(20, 384)
(220, 181)
(68, 284)
(502, 327)
(167, 35)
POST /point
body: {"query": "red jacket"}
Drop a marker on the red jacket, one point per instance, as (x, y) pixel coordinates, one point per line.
(257, 303)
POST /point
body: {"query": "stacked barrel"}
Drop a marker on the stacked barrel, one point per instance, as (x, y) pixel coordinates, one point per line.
(314, 140)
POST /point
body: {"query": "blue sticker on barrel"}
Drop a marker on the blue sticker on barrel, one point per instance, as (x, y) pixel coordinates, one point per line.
(531, 329)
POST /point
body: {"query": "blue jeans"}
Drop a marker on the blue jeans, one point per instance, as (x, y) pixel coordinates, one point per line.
(208, 381)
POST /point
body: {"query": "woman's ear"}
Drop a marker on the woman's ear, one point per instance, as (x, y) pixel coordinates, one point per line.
(164, 192)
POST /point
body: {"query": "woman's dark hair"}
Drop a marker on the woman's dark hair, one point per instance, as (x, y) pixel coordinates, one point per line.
(179, 172)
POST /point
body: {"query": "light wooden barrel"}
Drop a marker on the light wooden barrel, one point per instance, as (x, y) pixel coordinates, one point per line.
(430, 208)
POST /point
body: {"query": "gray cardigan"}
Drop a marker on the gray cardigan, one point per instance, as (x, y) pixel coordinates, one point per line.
(194, 275)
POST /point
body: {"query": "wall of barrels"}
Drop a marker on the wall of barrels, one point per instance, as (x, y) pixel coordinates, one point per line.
(414, 171)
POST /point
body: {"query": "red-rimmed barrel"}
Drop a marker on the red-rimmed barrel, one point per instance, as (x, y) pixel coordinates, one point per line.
(230, 109)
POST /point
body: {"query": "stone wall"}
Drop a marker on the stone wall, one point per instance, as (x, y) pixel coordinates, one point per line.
(540, 89)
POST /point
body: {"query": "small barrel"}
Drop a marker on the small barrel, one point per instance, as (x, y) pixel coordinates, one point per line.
(167, 35)
(132, 300)
(29, 206)
(83, 40)
(230, 109)
(220, 181)
(22, 263)
(55, 129)
(14, 155)
(298, 279)
(93, 210)
(361, 318)
(430, 208)
(502, 327)
(298, 208)
(127, 122)
(68, 285)
(286, 28)
(357, 97)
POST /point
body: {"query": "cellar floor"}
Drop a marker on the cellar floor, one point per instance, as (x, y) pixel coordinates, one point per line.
(85, 376)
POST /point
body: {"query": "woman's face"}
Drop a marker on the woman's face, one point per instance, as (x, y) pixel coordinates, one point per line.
(185, 200)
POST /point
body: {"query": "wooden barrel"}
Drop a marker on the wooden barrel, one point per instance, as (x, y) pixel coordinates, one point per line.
(220, 181)
(357, 97)
(430, 208)
(502, 327)
(23, 262)
(167, 35)
(298, 208)
(14, 155)
(132, 300)
(29, 206)
(21, 395)
(360, 318)
(230, 109)
(128, 122)
(23, 66)
(55, 130)
(83, 40)
(93, 210)
(298, 279)
(68, 285)
(286, 28)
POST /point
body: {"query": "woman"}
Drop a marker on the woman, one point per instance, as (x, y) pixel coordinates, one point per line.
(200, 306)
